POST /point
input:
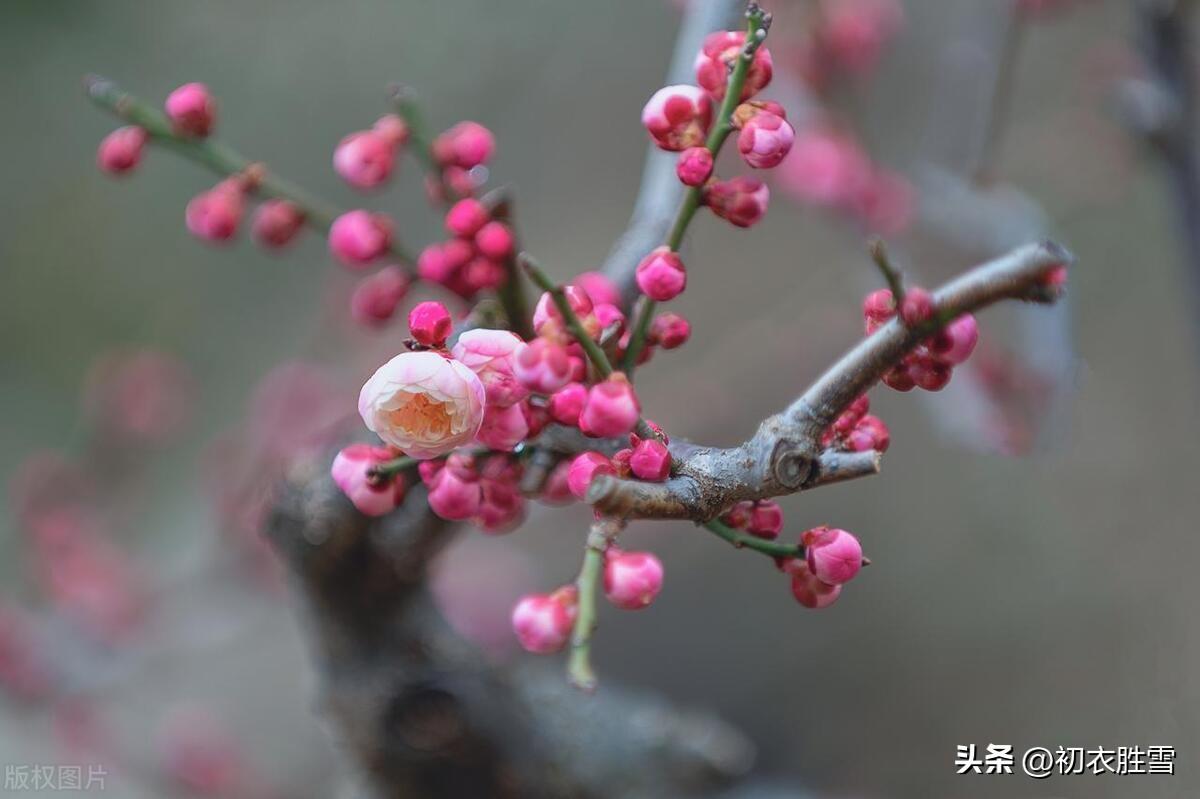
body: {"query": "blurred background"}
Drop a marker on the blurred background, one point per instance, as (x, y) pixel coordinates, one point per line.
(1032, 561)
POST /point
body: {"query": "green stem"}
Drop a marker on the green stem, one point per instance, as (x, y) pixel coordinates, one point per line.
(217, 157)
(644, 311)
(746, 541)
(579, 662)
(542, 280)
(393, 467)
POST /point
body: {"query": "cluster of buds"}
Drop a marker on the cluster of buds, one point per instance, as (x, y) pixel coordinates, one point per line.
(832, 558)
(682, 118)
(461, 153)
(484, 491)
(856, 430)
(474, 258)
(931, 364)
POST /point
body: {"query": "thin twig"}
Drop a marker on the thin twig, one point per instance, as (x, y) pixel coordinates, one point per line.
(218, 157)
(603, 534)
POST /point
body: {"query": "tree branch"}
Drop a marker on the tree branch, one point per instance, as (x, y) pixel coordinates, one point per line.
(784, 455)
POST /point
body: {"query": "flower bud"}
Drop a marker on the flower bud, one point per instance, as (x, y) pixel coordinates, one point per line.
(543, 622)
(632, 579)
(916, 307)
(490, 354)
(720, 50)
(670, 330)
(612, 409)
(599, 288)
(542, 366)
(393, 129)
(695, 166)
(503, 427)
(661, 275)
(833, 555)
(121, 150)
(466, 217)
(276, 223)
(454, 492)
(739, 515)
(466, 145)
(609, 317)
(495, 240)
(375, 297)
(357, 238)
(741, 201)
(957, 340)
(215, 215)
(765, 520)
(439, 263)
(364, 159)
(808, 590)
(584, 469)
(372, 497)
(870, 433)
(567, 403)
(765, 140)
(899, 378)
(827, 168)
(878, 307)
(650, 461)
(546, 312)
(430, 323)
(677, 117)
(557, 491)
(502, 507)
(191, 109)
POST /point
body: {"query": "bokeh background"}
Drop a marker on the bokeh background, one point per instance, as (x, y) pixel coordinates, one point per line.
(1042, 599)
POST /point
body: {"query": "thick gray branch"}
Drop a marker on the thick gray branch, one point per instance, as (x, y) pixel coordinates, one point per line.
(784, 454)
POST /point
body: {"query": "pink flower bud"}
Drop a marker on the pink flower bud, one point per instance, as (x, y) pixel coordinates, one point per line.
(542, 366)
(484, 274)
(878, 307)
(632, 579)
(423, 404)
(375, 297)
(930, 375)
(853, 33)
(191, 109)
(650, 461)
(870, 433)
(677, 117)
(372, 497)
(833, 555)
(719, 51)
(536, 416)
(620, 462)
(466, 145)
(765, 140)
(276, 223)
(490, 354)
(957, 340)
(609, 317)
(430, 323)
(495, 241)
(121, 150)
(557, 491)
(916, 306)
(739, 515)
(612, 409)
(466, 217)
(546, 312)
(455, 492)
(1055, 277)
(584, 469)
(599, 288)
(543, 622)
(741, 201)
(393, 129)
(503, 427)
(695, 166)
(670, 330)
(808, 590)
(886, 204)
(357, 238)
(899, 378)
(567, 403)
(439, 263)
(765, 520)
(502, 507)
(215, 215)
(364, 159)
(661, 275)
(827, 168)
